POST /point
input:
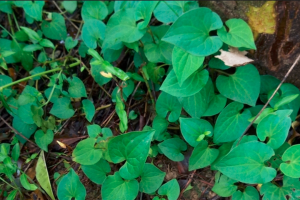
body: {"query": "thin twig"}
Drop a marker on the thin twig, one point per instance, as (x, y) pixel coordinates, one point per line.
(278, 87)
(17, 132)
(65, 15)
(187, 184)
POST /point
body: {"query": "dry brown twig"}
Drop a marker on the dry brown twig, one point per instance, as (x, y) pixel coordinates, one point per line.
(263, 108)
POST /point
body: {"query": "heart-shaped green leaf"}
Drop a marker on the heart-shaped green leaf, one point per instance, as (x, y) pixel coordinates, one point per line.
(243, 86)
(275, 127)
(168, 105)
(70, 43)
(76, 87)
(290, 188)
(202, 156)
(143, 11)
(267, 83)
(70, 6)
(26, 184)
(239, 34)
(93, 10)
(244, 163)
(194, 130)
(171, 85)
(169, 11)
(93, 31)
(250, 193)
(172, 148)
(97, 172)
(62, 108)
(224, 186)
(132, 147)
(32, 8)
(127, 31)
(231, 123)
(151, 178)
(85, 152)
(114, 187)
(185, 64)
(56, 28)
(160, 125)
(26, 129)
(291, 162)
(194, 35)
(43, 139)
(70, 187)
(171, 189)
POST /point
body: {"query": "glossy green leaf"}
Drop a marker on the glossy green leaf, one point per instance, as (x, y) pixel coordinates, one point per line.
(25, 183)
(250, 193)
(216, 105)
(70, 43)
(159, 51)
(290, 188)
(185, 64)
(70, 187)
(93, 31)
(242, 86)
(244, 164)
(32, 47)
(34, 37)
(168, 105)
(62, 108)
(171, 189)
(194, 35)
(95, 71)
(85, 152)
(46, 43)
(127, 31)
(115, 187)
(194, 130)
(224, 186)
(169, 11)
(42, 175)
(231, 123)
(12, 195)
(119, 5)
(197, 104)
(70, 6)
(172, 148)
(275, 127)
(239, 34)
(56, 28)
(5, 6)
(94, 10)
(89, 109)
(285, 100)
(94, 130)
(285, 91)
(25, 129)
(151, 178)
(43, 139)
(97, 172)
(291, 162)
(202, 156)
(132, 147)
(32, 8)
(76, 87)
(155, 72)
(143, 11)
(160, 125)
(171, 85)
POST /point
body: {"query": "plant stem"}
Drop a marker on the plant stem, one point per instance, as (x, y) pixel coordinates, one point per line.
(8, 183)
(148, 87)
(10, 23)
(29, 77)
(151, 33)
(16, 22)
(222, 72)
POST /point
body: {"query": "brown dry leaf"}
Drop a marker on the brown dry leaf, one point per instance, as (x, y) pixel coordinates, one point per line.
(31, 172)
(234, 58)
(36, 195)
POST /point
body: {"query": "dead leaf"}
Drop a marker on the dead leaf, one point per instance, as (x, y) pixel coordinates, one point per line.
(234, 58)
(36, 195)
